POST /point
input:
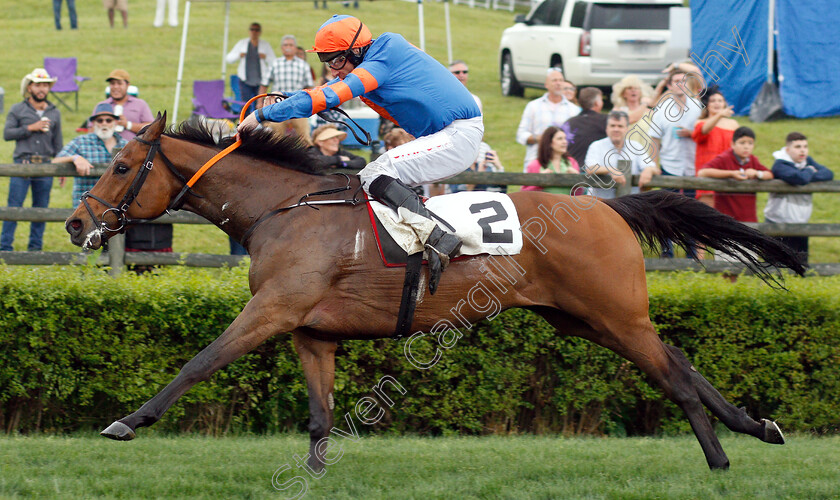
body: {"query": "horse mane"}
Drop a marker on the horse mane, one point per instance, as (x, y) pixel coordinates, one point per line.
(263, 143)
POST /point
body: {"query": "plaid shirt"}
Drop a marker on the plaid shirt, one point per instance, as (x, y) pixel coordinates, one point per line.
(91, 148)
(288, 75)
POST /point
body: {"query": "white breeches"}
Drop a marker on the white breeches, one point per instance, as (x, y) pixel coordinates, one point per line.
(430, 158)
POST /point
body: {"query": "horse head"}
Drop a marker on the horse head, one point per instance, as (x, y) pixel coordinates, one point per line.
(136, 186)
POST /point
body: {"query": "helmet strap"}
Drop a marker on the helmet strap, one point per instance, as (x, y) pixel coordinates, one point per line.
(351, 56)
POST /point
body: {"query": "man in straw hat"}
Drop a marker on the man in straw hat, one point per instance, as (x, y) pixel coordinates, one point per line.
(35, 126)
(407, 86)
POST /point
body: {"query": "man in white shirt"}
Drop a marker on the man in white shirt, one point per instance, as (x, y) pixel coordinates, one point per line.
(462, 72)
(254, 57)
(603, 155)
(671, 127)
(551, 109)
(673, 121)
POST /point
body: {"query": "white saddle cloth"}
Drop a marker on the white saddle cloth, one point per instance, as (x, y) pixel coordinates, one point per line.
(487, 223)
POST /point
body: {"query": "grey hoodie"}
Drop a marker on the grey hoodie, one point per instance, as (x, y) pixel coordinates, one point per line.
(793, 208)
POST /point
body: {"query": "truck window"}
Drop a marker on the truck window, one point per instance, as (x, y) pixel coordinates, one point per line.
(578, 14)
(634, 17)
(548, 13)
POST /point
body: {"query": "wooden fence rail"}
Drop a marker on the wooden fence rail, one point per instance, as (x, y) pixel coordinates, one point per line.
(117, 258)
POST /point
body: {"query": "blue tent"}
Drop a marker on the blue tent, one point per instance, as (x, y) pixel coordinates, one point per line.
(734, 48)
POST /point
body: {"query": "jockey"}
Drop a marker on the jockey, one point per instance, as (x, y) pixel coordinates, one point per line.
(408, 87)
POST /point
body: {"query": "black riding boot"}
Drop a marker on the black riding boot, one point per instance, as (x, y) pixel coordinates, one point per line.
(442, 246)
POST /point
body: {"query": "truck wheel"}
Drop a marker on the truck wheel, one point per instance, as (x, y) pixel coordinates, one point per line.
(510, 86)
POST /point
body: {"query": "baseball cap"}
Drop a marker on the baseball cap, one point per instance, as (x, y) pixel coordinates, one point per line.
(118, 74)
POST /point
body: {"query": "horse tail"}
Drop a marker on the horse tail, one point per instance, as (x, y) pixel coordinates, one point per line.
(658, 216)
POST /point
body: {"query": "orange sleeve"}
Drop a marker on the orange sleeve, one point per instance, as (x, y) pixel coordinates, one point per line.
(368, 80)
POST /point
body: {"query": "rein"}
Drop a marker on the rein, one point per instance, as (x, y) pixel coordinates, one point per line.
(121, 209)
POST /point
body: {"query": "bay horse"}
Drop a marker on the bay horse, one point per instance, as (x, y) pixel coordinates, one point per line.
(318, 275)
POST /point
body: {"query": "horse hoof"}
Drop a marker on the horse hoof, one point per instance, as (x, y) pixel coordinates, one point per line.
(119, 432)
(721, 466)
(772, 433)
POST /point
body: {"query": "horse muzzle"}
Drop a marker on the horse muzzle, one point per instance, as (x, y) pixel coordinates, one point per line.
(87, 236)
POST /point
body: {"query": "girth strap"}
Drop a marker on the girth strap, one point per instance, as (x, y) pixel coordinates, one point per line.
(408, 302)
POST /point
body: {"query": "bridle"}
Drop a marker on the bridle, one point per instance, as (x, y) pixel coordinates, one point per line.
(121, 209)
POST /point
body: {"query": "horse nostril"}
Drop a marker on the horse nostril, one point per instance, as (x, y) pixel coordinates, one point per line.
(74, 226)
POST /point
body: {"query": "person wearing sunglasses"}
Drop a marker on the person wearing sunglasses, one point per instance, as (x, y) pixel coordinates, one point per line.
(417, 93)
(254, 57)
(96, 147)
(462, 72)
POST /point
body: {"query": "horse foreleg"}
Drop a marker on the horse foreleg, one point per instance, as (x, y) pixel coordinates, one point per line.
(318, 360)
(260, 319)
(734, 418)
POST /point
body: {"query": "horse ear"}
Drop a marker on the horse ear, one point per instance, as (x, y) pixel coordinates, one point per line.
(154, 129)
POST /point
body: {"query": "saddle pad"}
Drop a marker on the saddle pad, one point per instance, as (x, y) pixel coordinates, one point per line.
(487, 223)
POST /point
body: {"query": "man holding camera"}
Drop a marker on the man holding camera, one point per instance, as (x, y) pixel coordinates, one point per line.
(133, 112)
(35, 126)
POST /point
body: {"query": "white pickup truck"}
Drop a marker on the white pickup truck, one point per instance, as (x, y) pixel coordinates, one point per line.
(595, 42)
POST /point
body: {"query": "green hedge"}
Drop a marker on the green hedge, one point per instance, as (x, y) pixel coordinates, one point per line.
(79, 348)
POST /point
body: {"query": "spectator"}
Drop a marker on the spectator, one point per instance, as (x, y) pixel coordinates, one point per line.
(603, 155)
(35, 126)
(713, 135)
(552, 158)
(173, 12)
(570, 91)
(462, 73)
(71, 10)
(254, 57)
(551, 109)
(134, 113)
(740, 164)
(587, 127)
(327, 139)
(671, 129)
(794, 166)
(122, 6)
(633, 96)
(96, 147)
(487, 161)
(289, 74)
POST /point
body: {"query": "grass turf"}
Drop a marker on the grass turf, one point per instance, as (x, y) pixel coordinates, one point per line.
(410, 467)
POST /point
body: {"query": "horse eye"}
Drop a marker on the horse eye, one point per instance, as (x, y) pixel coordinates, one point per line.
(121, 168)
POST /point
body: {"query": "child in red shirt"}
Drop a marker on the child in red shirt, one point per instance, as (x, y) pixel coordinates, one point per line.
(737, 163)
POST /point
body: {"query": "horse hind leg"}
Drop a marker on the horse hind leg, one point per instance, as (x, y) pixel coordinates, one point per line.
(734, 418)
(638, 343)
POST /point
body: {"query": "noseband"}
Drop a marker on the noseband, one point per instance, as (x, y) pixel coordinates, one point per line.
(130, 196)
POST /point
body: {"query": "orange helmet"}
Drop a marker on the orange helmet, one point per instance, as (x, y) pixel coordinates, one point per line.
(339, 32)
